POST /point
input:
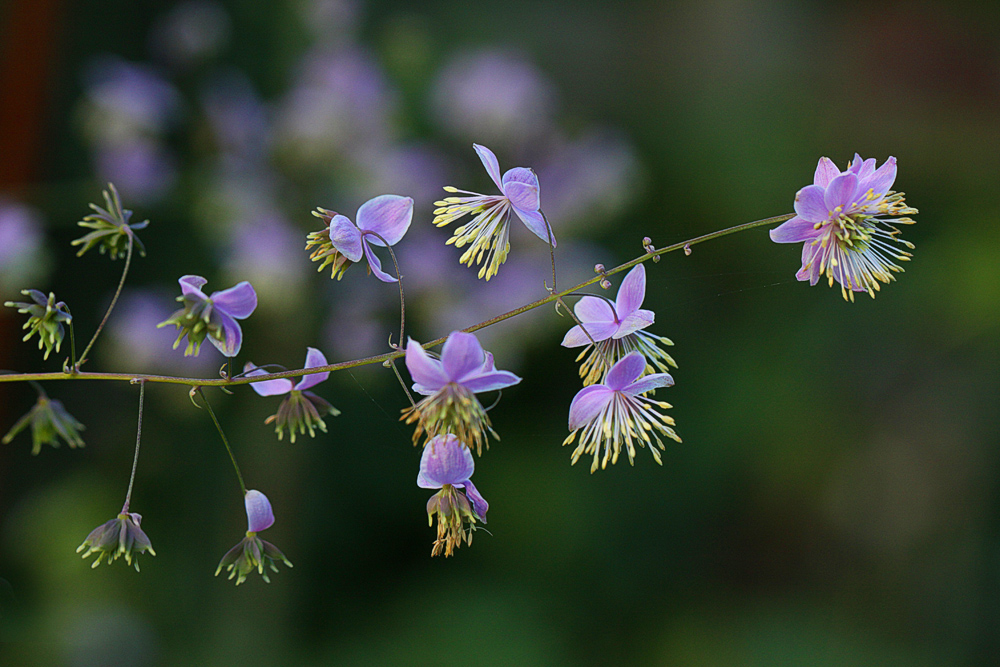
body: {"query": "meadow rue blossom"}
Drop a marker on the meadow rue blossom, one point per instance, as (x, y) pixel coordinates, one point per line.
(253, 553)
(841, 221)
(120, 537)
(382, 221)
(610, 331)
(46, 317)
(49, 421)
(111, 227)
(212, 316)
(618, 413)
(450, 385)
(301, 410)
(448, 465)
(488, 232)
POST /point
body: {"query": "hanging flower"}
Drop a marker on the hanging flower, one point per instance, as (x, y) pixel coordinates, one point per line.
(610, 331)
(448, 465)
(301, 410)
(212, 316)
(253, 553)
(488, 232)
(46, 317)
(111, 227)
(382, 221)
(121, 536)
(841, 221)
(618, 413)
(49, 421)
(450, 386)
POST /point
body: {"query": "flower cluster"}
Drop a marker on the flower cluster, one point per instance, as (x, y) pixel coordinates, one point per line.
(301, 410)
(253, 553)
(448, 465)
(46, 317)
(212, 316)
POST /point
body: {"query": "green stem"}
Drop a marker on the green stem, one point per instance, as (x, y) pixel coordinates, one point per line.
(138, 438)
(396, 354)
(114, 300)
(225, 441)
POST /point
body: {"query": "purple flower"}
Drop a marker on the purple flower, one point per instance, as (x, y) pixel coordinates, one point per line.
(610, 331)
(450, 385)
(212, 316)
(448, 465)
(488, 232)
(301, 410)
(253, 553)
(617, 413)
(382, 221)
(840, 220)
(121, 536)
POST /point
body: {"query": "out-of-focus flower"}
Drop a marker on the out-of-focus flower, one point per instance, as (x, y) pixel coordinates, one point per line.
(610, 331)
(487, 233)
(495, 96)
(120, 537)
(112, 230)
(22, 256)
(841, 221)
(125, 100)
(143, 166)
(212, 316)
(237, 116)
(253, 553)
(191, 32)
(618, 413)
(450, 386)
(382, 221)
(448, 465)
(267, 251)
(301, 410)
(46, 317)
(49, 421)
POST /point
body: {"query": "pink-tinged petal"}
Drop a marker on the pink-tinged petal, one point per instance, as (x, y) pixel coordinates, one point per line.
(462, 355)
(233, 335)
(490, 381)
(479, 504)
(863, 168)
(535, 222)
(810, 263)
(652, 381)
(520, 186)
(577, 337)
(490, 162)
(445, 461)
(594, 309)
(266, 387)
(840, 192)
(388, 216)
(587, 405)
(809, 204)
(427, 373)
(640, 319)
(375, 265)
(626, 371)
(259, 514)
(795, 230)
(191, 287)
(238, 301)
(345, 237)
(314, 358)
(631, 292)
(826, 171)
(882, 180)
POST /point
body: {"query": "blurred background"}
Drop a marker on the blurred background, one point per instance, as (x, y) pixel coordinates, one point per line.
(836, 500)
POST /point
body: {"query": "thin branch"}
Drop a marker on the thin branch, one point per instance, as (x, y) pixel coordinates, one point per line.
(138, 438)
(114, 300)
(225, 440)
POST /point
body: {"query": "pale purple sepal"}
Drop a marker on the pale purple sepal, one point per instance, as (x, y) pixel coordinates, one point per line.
(479, 504)
(346, 238)
(795, 230)
(445, 461)
(841, 191)
(266, 387)
(375, 265)
(640, 319)
(626, 371)
(826, 171)
(810, 204)
(259, 514)
(577, 337)
(463, 362)
(232, 332)
(314, 358)
(388, 216)
(191, 286)
(650, 382)
(238, 301)
(427, 372)
(587, 404)
(601, 320)
(490, 162)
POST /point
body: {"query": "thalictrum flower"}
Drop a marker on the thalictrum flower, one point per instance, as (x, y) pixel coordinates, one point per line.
(46, 317)
(610, 331)
(618, 413)
(253, 553)
(841, 220)
(111, 227)
(121, 536)
(382, 221)
(450, 386)
(301, 410)
(488, 232)
(49, 421)
(448, 465)
(212, 316)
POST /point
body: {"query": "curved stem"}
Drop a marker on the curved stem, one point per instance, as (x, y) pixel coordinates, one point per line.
(72, 342)
(114, 300)
(382, 358)
(225, 441)
(399, 282)
(552, 249)
(138, 438)
(402, 383)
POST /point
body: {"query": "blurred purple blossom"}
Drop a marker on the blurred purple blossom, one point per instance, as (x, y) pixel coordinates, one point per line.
(23, 259)
(267, 251)
(140, 167)
(237, 116)
(191, 32)
(126, 99)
